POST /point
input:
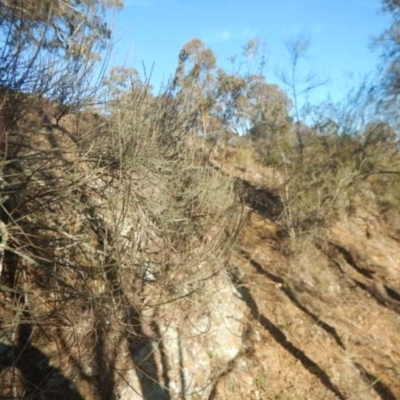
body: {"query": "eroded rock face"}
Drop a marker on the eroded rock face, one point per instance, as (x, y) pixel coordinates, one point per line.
(369, 254)
(190, 353)
(325, 322)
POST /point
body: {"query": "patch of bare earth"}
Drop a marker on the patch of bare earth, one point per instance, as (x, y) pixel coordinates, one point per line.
(323, 323)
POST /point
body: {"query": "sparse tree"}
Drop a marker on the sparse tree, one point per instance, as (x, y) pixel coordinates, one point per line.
(390, 43)
(49, 47)
(195, 80)
(299, 84)
(74, 27)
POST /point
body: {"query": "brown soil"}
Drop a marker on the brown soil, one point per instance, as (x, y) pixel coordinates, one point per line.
(323, 321)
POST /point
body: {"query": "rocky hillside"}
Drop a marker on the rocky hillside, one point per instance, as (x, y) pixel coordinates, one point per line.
(120, 277)
(323, 321)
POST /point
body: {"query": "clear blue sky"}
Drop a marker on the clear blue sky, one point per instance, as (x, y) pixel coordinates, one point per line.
(154, 31)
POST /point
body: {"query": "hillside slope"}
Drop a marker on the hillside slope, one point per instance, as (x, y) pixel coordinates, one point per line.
(324, 320)
(122, 281)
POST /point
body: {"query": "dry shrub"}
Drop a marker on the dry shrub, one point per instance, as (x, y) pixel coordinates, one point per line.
(106, 216)
(321, 181)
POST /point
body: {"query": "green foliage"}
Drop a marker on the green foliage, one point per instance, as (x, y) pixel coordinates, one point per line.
(195, 82)
(390, 44)
(50, 48)
(74, 27)
(229, 100)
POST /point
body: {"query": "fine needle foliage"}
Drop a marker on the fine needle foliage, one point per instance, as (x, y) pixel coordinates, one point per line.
(124, 217)
(105, 212)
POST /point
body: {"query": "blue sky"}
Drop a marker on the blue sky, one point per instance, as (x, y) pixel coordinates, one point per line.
(154, 31)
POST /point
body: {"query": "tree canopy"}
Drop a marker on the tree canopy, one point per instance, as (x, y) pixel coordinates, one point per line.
(49, 46)
(390, 42)
(75, 27)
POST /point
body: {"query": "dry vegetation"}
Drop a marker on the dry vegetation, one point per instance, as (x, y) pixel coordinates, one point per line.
(324, 301)
(122, 222)
(105, 218)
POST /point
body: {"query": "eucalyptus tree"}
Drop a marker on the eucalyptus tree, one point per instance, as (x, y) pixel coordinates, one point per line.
(195, 81)
(49, 47)
(390, 44)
